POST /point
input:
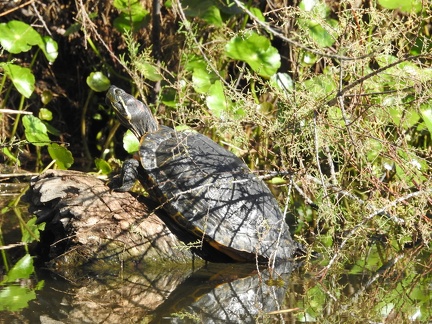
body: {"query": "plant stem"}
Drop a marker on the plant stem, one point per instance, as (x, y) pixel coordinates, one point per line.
(18, 117)
(84, 126)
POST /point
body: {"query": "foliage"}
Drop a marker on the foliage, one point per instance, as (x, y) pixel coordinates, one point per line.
(17, 37)
(332, 100)
(15, 288)
(14, 297)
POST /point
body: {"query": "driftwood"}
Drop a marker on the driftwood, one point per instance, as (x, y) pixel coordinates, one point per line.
(87, 222)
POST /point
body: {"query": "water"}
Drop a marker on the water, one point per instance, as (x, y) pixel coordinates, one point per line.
(377, 285)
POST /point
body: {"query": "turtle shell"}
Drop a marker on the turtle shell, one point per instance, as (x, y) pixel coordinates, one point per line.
(212, 197)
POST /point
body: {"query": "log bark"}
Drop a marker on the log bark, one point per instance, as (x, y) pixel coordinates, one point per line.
(86, 222)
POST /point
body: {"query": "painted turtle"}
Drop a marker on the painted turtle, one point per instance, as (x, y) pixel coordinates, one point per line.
(209, 195)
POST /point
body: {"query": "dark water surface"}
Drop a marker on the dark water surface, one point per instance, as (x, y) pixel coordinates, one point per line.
(376, 287)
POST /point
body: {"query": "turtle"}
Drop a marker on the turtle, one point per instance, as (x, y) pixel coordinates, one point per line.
(210, 198)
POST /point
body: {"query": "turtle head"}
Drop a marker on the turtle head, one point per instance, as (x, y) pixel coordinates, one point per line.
(131, 112)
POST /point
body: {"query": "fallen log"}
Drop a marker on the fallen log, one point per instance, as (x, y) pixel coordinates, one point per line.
(86, 222)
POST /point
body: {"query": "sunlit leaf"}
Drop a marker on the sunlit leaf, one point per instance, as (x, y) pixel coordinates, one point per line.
(9, 154)
(384, 60)
(98, 82)
(308, 5)
(45, 114)
(52, 130)
(320, 35)
(320, 11)
(34, 228)
(257, 13)
(202, 76)
(426, 113)
(406, 118)
(216, 100)
(257, 51)
(374, 148)
(35, 130)
(61, 155)
(402, 5)
(266, 108)
(321, 86)
(278, 181)
(22, 78)
(410, 168)
(130, 142)
(103, 166)
(283, 81)
(23, 269)
(203, 79)
(17, 36)
(50, 48)
(14, 298)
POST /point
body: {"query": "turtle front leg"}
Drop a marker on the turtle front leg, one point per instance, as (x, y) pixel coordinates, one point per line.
(128, 175)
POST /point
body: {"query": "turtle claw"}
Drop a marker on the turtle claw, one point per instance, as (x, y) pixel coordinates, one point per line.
(126, 179)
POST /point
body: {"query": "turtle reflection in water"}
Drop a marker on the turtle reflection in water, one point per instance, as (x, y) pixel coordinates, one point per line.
(208, 193)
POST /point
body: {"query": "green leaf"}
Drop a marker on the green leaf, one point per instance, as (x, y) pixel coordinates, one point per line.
(282, 81)
(204, 9)
(23, 269)
(9, 154)
(335, 115)
(256, 51)
(52, 130)
(257, 13)
(406, 118)
(149, 71)
(61, 155)
(34, 228)
(45, 114)
(319, 8)
(35, 131)
(402, 5)
(320, 35)
(14, 298)
(411, 169)
(308, 58)
(202, 76)
(374, 149)
(22, 78)
(130, 142)
(98, 82)
(216, 100)
(50, 48)
(16, 37)
(46, 97)
(202, 80)
(169, 97)
(314, 26)
(278, 181)
(103, 166)
(426, 114)
(133, 16)
(321, 86)
(266, 108)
